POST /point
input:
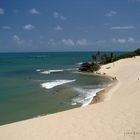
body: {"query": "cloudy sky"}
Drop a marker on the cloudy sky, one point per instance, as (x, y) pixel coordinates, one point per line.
(69, 25)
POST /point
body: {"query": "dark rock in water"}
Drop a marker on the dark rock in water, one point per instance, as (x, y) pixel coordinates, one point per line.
(84, 66)
(89, 67)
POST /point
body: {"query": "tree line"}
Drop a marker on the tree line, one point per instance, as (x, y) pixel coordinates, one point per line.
(100, 58)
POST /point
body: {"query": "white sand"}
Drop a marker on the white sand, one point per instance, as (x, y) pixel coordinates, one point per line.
(118, 118)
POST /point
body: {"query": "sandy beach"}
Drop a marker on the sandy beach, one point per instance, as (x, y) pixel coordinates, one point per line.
(117, 118)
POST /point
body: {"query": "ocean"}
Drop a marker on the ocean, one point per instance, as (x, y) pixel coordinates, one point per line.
(36, 84)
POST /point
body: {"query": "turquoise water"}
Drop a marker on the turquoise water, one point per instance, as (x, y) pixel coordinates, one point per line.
(35, 84)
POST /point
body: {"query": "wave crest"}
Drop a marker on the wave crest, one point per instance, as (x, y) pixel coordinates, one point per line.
(49, 85)
(51, 71)
(59, 71)
(85, 96)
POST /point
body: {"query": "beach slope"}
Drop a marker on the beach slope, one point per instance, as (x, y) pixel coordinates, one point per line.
(117, 118)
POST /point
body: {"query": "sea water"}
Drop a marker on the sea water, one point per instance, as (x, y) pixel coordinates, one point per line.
(35, 84)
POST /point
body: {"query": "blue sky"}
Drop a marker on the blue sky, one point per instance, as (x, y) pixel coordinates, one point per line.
(69, 25)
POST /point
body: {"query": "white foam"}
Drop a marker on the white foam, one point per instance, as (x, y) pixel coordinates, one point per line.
(49, 85)
(73, 103)
(51, 71)
(38, 70)
(73, 69)
(57, 71)
(46, 72)
(80, 63)
(85, 96)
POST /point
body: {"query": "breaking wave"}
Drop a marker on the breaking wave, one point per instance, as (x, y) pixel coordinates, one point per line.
(51, 71)
(85, 96)
(52, 84)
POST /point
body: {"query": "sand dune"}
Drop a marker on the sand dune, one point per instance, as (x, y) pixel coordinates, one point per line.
(117, 118)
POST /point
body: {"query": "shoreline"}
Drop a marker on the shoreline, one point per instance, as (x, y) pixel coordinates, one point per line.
(102, 95)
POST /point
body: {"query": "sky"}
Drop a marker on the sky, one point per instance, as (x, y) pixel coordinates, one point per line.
(69, 25)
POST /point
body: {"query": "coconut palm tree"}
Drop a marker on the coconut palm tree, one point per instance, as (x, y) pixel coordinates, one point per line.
(102, 59)
(98, 55)
(111, 56)
(105, 58)
(94, 58)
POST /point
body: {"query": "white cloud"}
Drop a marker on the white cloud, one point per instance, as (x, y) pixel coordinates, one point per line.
(111, 13)
(21, 42)
(52, 42)
(7, 27)
(34, 11)
(124, 40)
(56, 15)
(63, 18)
(100, 41)
(119, 40)
(68, 42)
(59, 16)
(28, 27)
(131, 40)
(18, 40)
(2, 11)
(122, 28)
(114, 40)
(58, 28)
(81, 42)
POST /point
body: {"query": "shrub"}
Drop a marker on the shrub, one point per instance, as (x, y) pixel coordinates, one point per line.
(89, 67)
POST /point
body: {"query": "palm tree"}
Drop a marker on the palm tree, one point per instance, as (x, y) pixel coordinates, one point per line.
(111, 56)
(105, 58)
(94, 58)
(102, 59)
(98, 55)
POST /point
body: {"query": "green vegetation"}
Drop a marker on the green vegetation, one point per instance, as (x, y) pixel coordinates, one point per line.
(128, 55)
(89, 67)
(104, 58)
